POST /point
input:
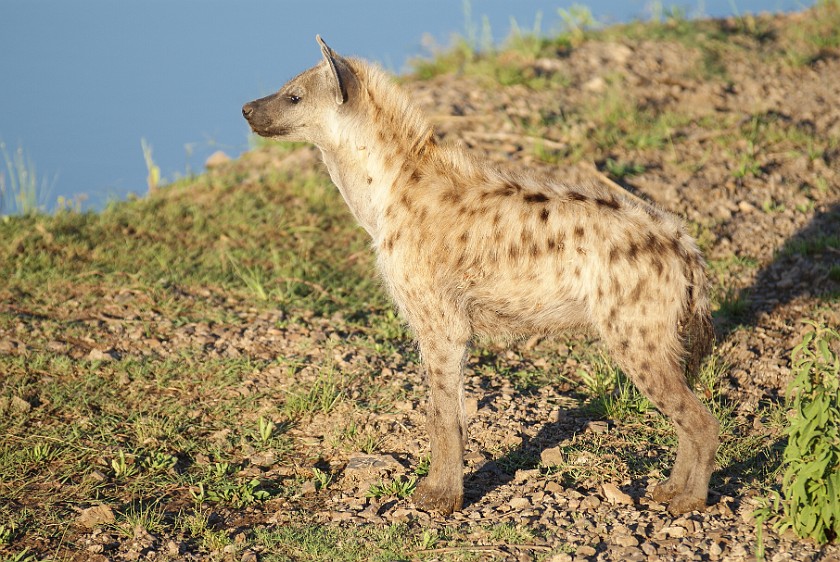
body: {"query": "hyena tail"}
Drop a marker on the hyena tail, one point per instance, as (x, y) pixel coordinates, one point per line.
(697, 330)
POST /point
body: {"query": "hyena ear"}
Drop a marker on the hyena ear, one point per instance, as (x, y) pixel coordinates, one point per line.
(337, 68)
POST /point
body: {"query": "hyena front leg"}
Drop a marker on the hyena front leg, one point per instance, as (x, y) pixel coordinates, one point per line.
(443, 489)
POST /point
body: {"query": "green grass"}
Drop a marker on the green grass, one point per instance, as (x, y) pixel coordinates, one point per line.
(22, 191)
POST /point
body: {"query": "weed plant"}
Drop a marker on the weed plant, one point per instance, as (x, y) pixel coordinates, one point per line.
(809, 499)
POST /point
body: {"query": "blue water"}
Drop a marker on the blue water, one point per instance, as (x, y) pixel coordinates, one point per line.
(81, 83)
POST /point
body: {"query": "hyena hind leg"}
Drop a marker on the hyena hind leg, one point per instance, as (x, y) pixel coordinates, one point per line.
(663, 381)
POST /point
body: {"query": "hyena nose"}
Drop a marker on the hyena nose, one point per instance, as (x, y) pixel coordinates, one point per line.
(247, 110)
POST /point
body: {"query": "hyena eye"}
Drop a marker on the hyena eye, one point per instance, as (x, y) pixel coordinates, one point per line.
(294, 99)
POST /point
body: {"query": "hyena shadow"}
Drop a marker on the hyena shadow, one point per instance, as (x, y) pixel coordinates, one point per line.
(807, 264)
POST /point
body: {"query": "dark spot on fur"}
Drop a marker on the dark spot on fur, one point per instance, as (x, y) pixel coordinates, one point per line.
(535, 198)
(513, 251)
(579, 232)
(624, 345)
(614, 253)
(581, 251)
(645, 365)
(577, 271)
(611, 203)
(544, 215)
(633, 251)
(535, 250)
(450, 196)
(575, 196)
(636, 294)
(406, 201)
(505, 191)
(658, 266)
(369, 180)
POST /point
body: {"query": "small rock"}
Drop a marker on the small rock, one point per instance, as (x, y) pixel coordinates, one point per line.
(590, 502)
(100, 355)
(248, 556)
(560, 557)
(746, 207)
(519, 503)
(596, 85)
(625, 540)
(615, 496)
(471, 405)
(216, 159)
(96, 515)
(552, 457)
(715, 550)
(597, 426)
(672, 531)
(553, 487)
(308, 488)
(404, 514)
(586, 550)
(18, 405)
(173, 548)
(263, 459)
(362, 466)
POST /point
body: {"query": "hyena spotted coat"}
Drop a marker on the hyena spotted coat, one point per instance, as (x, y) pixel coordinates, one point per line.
(468, 249)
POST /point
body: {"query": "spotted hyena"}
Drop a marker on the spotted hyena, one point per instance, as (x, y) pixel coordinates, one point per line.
(468, 249)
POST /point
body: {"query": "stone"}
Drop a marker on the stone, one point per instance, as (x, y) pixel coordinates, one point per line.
(263, 459)
(18, 405)
(552, 457)
(471, 405)
(586, 550)
(216, 159)
(365, 469)
(625, 540)
(95, 515)
(519, 503)
(615, 496)
(101, 355)
(553, 487)
(590, 502)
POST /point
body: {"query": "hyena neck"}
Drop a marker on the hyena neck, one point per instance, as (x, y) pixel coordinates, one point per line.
(377, 143)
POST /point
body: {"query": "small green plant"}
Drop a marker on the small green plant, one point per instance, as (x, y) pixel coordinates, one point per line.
(22, 556)
(149, 517)
(123, 466)
(265, 429)
(41, 452)
(620, 170)
(20, 190)
(159, 462)
(577, 20)
(153, 179)
(809, 499)
(398, 487)
(321, 397)
(7, 532)
(322, 478)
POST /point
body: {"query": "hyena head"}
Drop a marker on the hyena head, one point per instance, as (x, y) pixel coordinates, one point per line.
(306, 105)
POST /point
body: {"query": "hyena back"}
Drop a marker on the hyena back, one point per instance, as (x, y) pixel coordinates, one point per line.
(467, 249)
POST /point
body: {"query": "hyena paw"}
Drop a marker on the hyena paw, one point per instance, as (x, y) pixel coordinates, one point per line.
(685, 503)
(429, 497)
(664, 491)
